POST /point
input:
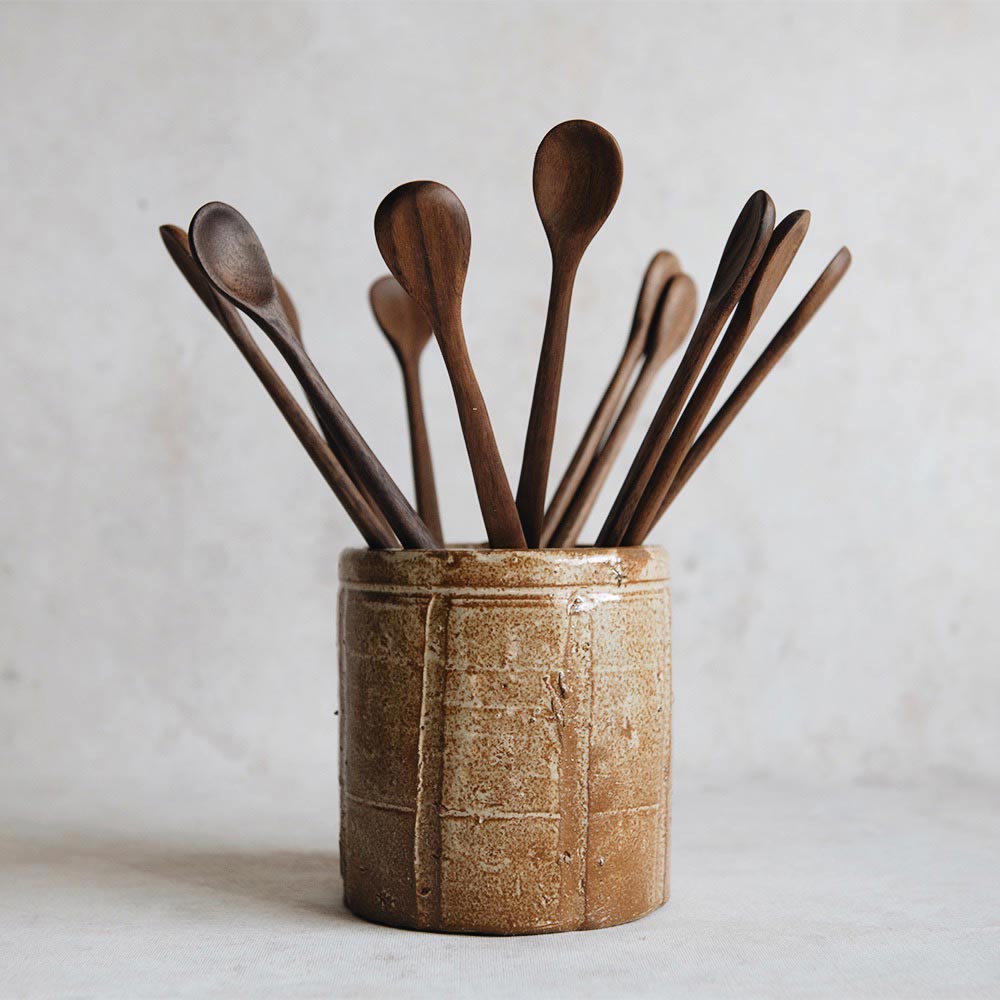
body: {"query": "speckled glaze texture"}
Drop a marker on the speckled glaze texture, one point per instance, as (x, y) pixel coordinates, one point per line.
(505, 737)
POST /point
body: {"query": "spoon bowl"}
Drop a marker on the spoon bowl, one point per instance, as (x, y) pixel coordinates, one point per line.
(232, 256)
(577, 178)
(399, 317)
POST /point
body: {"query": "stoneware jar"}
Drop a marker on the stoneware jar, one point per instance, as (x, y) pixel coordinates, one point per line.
(504, 737)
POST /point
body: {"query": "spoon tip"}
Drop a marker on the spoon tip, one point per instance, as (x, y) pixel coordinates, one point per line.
(398, 317)
(746, 244)
(577, 178)
(676, 310)
(231, 255)
(422, 231)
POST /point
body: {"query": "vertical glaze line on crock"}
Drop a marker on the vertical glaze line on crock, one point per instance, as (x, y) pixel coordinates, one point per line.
(505, 737)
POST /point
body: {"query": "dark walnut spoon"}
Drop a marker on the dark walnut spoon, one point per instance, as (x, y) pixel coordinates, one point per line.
(231, 255)
(373, 527)
(423, 235)
(661, 269)
(740, 257)
(750, 382)
(407, 330)
(675, 314)
(781, 250)
(577, 177)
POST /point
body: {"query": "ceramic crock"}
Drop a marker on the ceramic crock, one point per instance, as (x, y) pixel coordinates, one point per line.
(504, 737)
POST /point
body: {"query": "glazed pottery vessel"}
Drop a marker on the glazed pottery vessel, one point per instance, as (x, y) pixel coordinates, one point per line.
(505, 737)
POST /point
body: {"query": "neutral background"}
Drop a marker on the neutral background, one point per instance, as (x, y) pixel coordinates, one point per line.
(168, 556)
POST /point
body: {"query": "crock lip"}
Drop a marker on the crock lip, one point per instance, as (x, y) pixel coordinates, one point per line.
(483, 549)
(491, 568)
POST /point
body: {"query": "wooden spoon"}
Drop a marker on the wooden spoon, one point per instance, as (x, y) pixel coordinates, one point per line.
(675, 314)
(407, 330)
(781, 250)
(577, 177)
(423, 235)
(769, 357)
(661, 269)
(371, 524)
(742, 254)
(234, 261)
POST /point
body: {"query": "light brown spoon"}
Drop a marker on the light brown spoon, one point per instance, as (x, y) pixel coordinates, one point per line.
(407, 330)
(577, 177)
(742, 254)
(750, 382)
(661, 269)
(781, 250)
(674, 317)
(423, 235)
(371, 524)
(231, 255)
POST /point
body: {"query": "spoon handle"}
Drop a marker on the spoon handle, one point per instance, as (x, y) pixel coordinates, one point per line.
(420, 450)
(569, 528)
(770, 356)
(358, 458)
(537, 456)
(290, 316)
(369, 522)
(704, 336)
(580, 463)
(647, 510)
(503, 527)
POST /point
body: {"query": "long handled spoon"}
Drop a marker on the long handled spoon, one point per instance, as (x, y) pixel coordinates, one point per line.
(230, 254)
(781, 250)
(661, 269)
(673, 321)
(577, 177)
(371, 524)
(407, 330)
(769, 357)
(423, 235)
(740, 257)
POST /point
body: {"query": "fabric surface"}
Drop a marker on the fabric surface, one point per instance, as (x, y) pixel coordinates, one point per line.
(778, 891)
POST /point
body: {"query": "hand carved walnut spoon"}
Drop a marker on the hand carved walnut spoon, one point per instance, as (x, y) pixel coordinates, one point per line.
(407, 330)
(370, 523)
(231, 255)
(577, 177)
(423, 235)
